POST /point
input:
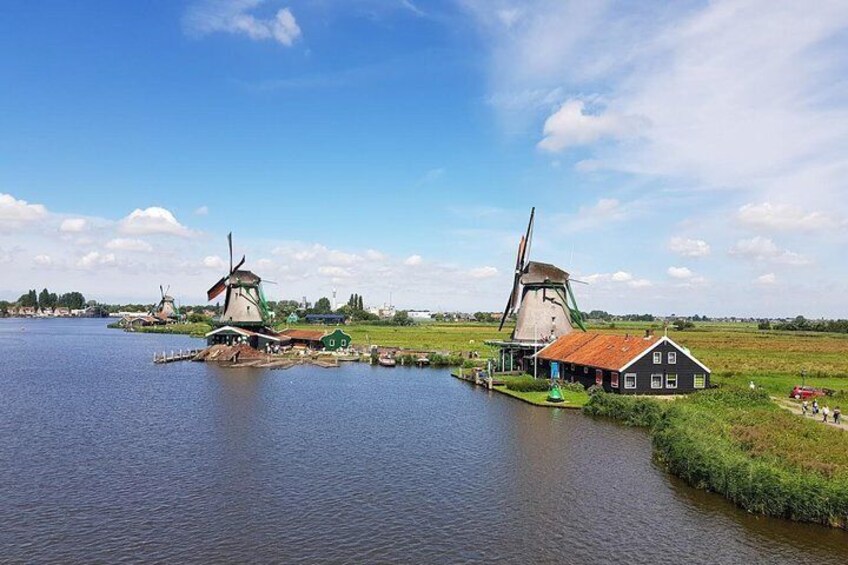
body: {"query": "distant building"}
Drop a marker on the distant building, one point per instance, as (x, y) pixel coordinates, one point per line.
(328, 319)
(336, 340)
(305, 338)
(293, 318)
(385, 311)
(419, 314)
(232, 335)
(624, 364)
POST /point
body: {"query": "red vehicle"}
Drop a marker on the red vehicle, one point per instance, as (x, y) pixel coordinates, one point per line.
(805, 392)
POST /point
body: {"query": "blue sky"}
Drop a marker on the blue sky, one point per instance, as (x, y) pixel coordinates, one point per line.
(682, 160)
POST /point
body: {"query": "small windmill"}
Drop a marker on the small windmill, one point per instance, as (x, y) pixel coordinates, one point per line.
(166, 309)
(244, 302)
(542, 295)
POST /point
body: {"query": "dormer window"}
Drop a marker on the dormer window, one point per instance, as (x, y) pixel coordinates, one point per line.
(657, 357)
(672, 357)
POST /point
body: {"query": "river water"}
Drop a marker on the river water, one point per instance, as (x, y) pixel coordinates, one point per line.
(105, 457)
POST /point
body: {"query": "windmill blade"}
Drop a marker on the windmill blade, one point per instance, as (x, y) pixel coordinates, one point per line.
(237, 267)
(528, 236)
(216, 289)
(266, 281)
(161, 291)
(230, 243)
(578, 282)
(506, 310)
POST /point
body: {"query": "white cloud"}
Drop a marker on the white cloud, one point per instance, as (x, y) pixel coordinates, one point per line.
(202, 211)
(214, 262)
(509, 16)
(95, 259)
(15, 213)
(640, 283)
(153, 220)
(374, 255)
(413, 260)
(571, 126)
(123, 244)
(784, 217)
(336, 272)
(606, 210)
(767, 279)
(764, 249)
(232, 16)
(680, 273)
(73, 225)
(483, 272)
(689, 247)
(621, 276)
(42, 260)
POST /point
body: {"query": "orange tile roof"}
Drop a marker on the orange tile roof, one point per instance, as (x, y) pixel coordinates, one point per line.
(597, 350)
(310, 335)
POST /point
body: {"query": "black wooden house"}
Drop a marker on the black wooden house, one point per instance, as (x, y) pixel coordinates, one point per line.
(625, 364)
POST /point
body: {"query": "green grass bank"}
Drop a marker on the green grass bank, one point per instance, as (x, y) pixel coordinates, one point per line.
(740, 444)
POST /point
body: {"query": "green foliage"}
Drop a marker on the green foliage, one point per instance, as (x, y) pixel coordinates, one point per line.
(401, 318)
(736, 442)
(527, 384)
(322, 306)
(483, 317)
(632, 411)
(763, 325)
(801, 324)
(199, 318)
(681, 324)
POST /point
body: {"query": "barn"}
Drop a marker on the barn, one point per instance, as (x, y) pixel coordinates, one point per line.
(335, 340)
(625, 364)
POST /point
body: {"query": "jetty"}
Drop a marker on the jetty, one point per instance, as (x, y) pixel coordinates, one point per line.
(174, 356)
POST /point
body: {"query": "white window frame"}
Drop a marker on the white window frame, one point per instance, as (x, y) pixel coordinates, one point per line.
(614, 376)
(626, 384)
(660, 384)
(599, 377)
(657, 357)
(703, 381)
(585, 370)
(676, 380)
(672, 358)
(332, 342)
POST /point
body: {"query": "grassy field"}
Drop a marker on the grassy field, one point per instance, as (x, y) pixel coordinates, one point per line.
(742, 445)
(453, 338)
(738, 353)
(572, 399)
(735, 352)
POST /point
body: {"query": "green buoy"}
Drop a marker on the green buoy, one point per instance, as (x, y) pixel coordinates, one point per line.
(555, 395)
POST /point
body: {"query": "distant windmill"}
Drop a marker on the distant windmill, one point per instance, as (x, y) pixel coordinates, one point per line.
(541, 294)
(166, 310)
(244, 303)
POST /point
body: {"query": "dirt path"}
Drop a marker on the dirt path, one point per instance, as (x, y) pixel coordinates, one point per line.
(796, 409)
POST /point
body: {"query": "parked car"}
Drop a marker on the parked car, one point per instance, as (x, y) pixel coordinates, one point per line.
(805, 392)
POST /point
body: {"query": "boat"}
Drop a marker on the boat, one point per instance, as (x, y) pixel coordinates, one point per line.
(386, 361)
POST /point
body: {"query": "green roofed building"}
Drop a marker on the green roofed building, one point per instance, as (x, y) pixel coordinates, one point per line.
(293, 318)
(336, 340)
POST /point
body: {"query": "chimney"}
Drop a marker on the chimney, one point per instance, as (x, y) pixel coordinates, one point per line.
(649, 334)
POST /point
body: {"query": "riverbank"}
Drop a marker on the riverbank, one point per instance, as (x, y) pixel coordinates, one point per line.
(742, 445)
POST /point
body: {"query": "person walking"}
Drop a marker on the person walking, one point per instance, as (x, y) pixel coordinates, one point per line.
(804, 408)
(815, 407)
(837, 415)
(825, 413)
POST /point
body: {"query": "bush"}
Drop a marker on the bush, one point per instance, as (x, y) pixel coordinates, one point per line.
(640, 412)
(527, 384)
(572, 387)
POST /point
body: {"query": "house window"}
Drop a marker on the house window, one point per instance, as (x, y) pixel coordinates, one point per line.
(700, 380)
(572, 367)
(614, 380)
(585, 370)
(599, 377)
(672, 357)
(671, 380)
(656, 380)
(629, 380)
(332, 342)
(657, 357)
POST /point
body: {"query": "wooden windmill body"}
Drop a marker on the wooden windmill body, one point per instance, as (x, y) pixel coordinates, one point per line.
(244, 303)
(541, 298)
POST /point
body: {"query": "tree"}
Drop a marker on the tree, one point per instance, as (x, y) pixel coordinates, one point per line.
(323, 306)
(401, 318)
(72, 300)
(764, 325)
(484, 317)
(681, 324)
(47, 299)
